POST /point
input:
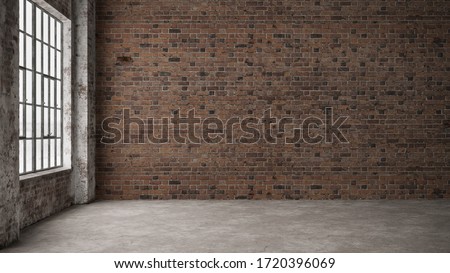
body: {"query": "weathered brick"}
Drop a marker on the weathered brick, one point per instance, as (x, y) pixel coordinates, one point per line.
(384, 64)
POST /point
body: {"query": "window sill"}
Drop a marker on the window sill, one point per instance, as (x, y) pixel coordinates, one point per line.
(43, 174)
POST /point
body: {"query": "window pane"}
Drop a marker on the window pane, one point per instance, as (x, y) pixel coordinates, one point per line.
(29, 156)
(46, 120)
(38, 154)
(52, 32)
(52, 152)
(38, 56)
(52, 62)
(38, 23)
(20, 85)
(45, 63)
(45, 90)
(38, 89)
(21, 120)
(29, 87)
(58, 35)
(52, 123)
(58, 65)
(52, 93)
(38, 121)
(29, 121)
(29, 17)
(21, 156)
(45, 27)
(58, 153)
(29, 52)
(21, 15)
(58, 94)
(58, 123)
(21, 49)
(45, 153)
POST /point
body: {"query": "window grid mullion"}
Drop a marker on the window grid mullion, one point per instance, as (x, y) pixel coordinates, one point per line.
(42, 89)
(33, 145)
(48, 90)
(48, 44)
(48, 76)
(25, 85)
(55, 112)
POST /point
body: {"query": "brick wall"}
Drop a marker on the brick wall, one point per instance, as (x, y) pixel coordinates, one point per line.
(384, 64)
(44, 196)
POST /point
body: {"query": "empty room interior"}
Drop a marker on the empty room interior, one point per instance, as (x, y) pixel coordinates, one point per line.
(224, 126)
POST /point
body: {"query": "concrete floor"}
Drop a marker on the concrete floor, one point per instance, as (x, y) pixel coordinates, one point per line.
(243, 226)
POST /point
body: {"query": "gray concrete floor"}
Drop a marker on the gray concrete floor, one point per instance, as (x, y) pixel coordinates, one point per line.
(243, 226)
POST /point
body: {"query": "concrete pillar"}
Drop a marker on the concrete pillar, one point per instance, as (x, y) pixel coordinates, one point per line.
(83, 90)
(9, 115)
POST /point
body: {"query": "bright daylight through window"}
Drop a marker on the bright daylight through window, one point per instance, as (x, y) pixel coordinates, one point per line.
(40, 90)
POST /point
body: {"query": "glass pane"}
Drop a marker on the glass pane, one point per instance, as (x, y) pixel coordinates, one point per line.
(29, 17)
(29, 156)
(21, 14)
(45, 27)
(58, 153)
(52, 32)
(29, 52)
(21, 49)
(52, 122)
(52, 62)
(45, 92)
(58, 65)
(58, 94)
(58, 35)
(38, 154)
(21, 156)
(45, 153)
(38, 121)
(29, 87)
(20, 85)
(38, 56)
(52, 93)
(21, 120)
(38, 89)
(29, 121)
(52, 152)
(45, 63)
(58, 123)
(38, 23)
(46, 132)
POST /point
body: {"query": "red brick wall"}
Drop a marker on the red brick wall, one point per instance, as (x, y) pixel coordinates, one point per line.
(384, 64)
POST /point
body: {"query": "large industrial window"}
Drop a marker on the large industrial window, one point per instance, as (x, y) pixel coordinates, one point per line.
(40, 89)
